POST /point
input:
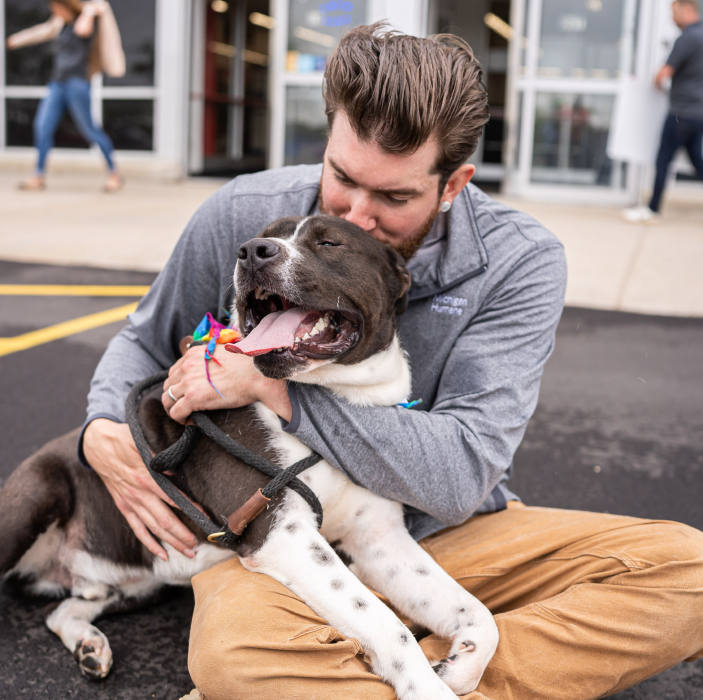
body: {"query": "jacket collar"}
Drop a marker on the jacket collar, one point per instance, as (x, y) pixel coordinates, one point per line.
(459, 252)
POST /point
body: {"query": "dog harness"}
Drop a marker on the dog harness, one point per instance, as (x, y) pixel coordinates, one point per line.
(229, 534)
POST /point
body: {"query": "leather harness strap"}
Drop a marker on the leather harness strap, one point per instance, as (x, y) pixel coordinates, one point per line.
(229, 534)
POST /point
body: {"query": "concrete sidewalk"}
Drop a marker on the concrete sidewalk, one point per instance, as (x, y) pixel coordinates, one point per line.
(612, 264)
(615, 265)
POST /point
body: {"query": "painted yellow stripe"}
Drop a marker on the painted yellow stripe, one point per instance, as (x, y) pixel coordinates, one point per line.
(74, 290)
(62, 330)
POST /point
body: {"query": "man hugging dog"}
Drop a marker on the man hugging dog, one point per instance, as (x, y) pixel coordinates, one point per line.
(586, 604)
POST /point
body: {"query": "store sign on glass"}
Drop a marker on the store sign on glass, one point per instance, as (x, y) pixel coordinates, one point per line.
(314, 30)
(336, 14)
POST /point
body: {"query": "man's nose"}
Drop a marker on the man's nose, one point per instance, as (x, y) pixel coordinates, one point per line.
(361, 213)
(257, 253)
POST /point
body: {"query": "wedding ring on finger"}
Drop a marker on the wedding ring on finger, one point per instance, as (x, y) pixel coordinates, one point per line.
(171, 396)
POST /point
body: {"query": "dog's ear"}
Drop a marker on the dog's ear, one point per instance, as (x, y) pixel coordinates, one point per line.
(403, 277)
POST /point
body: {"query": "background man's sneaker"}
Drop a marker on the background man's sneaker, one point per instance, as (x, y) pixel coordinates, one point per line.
(641, 215)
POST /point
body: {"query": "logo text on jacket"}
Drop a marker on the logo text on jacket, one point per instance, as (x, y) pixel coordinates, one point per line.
(446, 304)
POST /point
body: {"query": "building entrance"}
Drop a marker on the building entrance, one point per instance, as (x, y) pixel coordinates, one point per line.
(229, 95)
(485, 25)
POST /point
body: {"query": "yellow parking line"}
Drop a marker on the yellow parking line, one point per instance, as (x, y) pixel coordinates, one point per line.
(74, 290)
(61, 330)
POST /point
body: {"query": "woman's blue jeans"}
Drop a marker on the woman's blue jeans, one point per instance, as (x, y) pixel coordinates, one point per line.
(72, 95)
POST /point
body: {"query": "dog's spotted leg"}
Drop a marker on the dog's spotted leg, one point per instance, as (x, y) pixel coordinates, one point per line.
(386, 558)
(296, 555)
(89, 646)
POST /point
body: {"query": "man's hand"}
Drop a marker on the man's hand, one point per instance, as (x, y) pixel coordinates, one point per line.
(665, 73)
(236, 378)
(110, 450)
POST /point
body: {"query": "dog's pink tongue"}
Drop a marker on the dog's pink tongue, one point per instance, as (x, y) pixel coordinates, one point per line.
(277, 330)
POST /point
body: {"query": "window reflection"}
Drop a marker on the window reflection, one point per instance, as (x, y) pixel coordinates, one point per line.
(137, 22)
(571, 135)
(306, 125)
(314, 29)
(19, 120)
(581, 38)
(469, 21)
(130, 124)
(30, 65)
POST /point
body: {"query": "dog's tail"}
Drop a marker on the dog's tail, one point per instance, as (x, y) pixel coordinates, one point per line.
(38, 493)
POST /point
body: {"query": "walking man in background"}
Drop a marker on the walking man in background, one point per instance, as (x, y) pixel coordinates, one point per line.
(684, 124)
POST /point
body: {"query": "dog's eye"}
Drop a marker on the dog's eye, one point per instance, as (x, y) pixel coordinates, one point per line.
(328, 243)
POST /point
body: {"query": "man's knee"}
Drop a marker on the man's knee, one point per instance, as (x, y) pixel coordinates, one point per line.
(669, 557)
(676, 542)
(243, 625)
(226, 609)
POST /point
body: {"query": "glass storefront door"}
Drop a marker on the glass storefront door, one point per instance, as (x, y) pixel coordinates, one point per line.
(567, 69)
(233, 97)
(484, 25)
(310, 31)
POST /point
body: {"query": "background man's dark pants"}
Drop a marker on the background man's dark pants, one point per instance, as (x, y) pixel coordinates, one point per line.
(678, 131)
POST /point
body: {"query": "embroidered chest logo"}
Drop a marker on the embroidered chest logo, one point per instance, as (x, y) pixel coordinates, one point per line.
(446, 304)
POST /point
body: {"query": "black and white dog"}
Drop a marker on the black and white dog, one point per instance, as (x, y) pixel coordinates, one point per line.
(316, 300)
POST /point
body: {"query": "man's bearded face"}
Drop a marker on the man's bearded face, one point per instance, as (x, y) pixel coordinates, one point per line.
(393, 198)
(407, 246)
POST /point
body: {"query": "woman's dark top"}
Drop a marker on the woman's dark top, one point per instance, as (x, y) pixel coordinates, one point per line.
(71, 53)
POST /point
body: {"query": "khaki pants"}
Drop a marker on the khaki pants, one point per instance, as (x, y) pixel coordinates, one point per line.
(586, 604)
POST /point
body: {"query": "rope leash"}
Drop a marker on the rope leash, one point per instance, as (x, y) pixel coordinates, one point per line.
(174, 456)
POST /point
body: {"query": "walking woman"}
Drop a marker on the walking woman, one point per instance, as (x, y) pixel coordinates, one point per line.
(82, 47)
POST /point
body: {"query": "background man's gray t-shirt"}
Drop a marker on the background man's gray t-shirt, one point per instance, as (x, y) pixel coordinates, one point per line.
(686, 59)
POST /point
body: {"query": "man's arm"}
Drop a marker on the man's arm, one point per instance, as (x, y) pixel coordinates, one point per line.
(682, 50)
(194, 280)
(445, 462)
(107, 446)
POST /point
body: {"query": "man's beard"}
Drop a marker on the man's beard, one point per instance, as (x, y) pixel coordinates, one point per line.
(408, 247)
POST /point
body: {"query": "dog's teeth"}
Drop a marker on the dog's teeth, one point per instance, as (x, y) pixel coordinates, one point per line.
(297, 340)
(261, 294)
(306, 336)
(321, 324)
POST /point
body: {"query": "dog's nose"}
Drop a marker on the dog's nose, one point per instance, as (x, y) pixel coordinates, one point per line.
(254, 254)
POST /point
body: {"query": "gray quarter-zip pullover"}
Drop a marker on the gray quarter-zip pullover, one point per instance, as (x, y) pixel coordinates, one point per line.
(487, 293)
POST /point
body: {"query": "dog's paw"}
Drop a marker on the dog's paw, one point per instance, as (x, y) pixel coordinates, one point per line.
(461, 671)
(93, 656)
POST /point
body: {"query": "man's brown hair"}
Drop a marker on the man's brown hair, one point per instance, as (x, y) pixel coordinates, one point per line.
(400, 91)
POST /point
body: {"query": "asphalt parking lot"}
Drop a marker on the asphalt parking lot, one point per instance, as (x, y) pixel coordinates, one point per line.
(619, 428)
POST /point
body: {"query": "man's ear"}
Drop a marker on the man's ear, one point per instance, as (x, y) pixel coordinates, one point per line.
(403, 277)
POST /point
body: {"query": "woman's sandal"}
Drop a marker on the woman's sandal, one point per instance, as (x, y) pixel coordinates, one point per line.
(33, 184)
(115, 183)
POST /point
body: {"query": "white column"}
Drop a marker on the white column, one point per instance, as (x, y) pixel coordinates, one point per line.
(278, 46)
(171, 88)
(409, 16)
